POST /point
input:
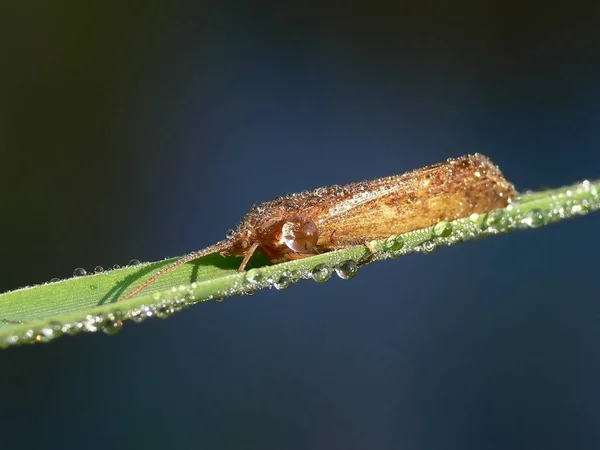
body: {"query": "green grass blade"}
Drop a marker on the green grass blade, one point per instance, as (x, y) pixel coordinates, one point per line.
(89, 303)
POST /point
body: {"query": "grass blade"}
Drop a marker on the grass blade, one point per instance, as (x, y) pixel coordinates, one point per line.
(89, 303)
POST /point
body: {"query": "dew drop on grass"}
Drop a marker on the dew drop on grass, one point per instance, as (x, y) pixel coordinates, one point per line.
(133, 263)
(394, 243)
(428, 246)
(254, 276)
(347, 269)
(79, 272)
(321, 273)
(442, 229)
(54, 280)
(533, 219)
(98, 269)
(282, 282)
(496, 221)
(116, 266)
(111, 326)
(164, 311)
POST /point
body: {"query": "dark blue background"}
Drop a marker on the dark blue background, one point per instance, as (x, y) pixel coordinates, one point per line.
(148, 130)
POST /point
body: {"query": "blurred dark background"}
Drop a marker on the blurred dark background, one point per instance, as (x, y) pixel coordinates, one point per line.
(147, 129)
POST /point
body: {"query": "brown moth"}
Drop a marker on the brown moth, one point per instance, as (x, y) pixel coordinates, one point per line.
(336, 217)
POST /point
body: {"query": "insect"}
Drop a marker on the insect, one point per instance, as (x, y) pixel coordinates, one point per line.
(331, 218)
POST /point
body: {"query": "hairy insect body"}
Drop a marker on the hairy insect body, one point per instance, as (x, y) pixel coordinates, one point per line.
(330, 218)
(326, 219)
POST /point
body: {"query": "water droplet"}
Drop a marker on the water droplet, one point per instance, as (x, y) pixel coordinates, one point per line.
(111, 325)
(93, 287)
(428, 246)
(45, 335)
(346, 270)
(229, 234)
(116, 266)
(533, 218)
(321, 273)
(54, 280)
(496, 221)
(137, 316)
(254, 276)
(79, 272)
(12, 340)
(283, 281)
(164, 311)
(133, 263)
(442, 229)
(581, 208)
(98, 269)
(394, 243)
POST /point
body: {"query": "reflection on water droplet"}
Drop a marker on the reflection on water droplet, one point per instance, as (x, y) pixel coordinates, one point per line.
(321, 273)
(98, 269)
(496, 221)
(254, 276)
(79, 272)
(533, 219)
(282, 282)
(346, 270)
(428, 246)
(394, 243)
(581, 208)
(442, 229)
(164, 311)
(133, 263)
(111, 325)
(137, 316)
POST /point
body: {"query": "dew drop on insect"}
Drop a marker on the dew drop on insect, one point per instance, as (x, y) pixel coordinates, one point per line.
(282, 282)
(79, 272)
(229, 234)
(98, 269)
(133, 263)
(442, 229)
(533, 218)
(346, 270)
(321, 273)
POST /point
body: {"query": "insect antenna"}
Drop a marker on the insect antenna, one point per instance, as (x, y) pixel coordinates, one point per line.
(218, 247)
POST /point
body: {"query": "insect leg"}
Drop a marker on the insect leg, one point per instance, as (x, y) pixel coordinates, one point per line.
(247, 256)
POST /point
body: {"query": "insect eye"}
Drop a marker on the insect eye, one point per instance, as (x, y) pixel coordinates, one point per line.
(300, 235)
